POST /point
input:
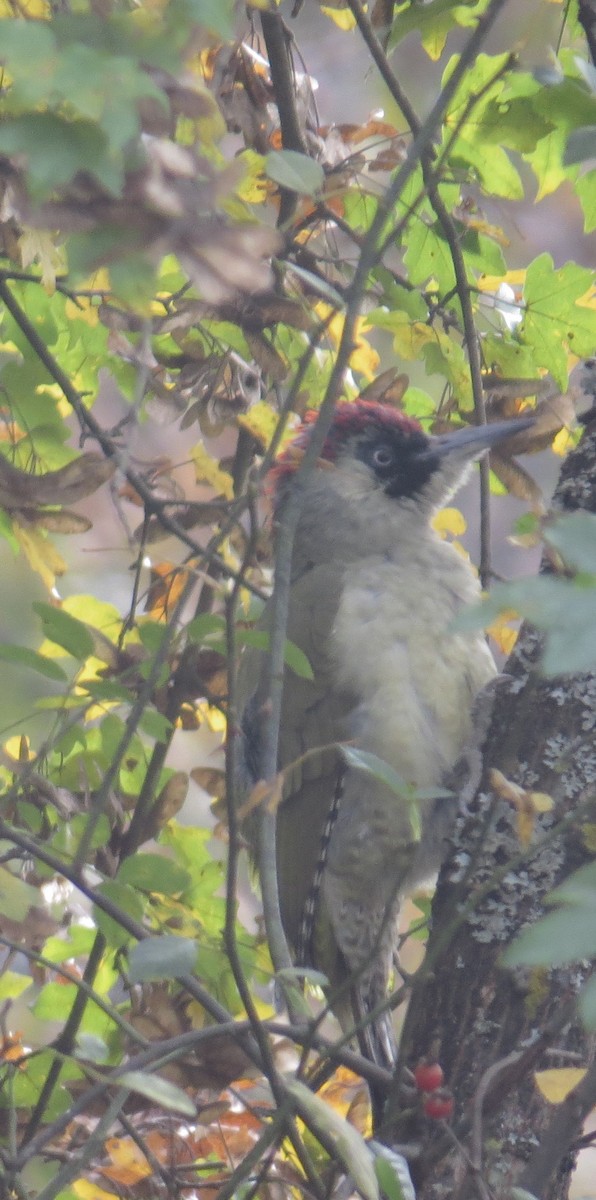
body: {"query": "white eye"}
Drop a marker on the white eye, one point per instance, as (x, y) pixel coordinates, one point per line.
(382, 456)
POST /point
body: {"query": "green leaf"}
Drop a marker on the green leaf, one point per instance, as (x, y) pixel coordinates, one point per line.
(259, 639)
(214, 15)
(200, 627)
(585, 189)
(133, 279)
(160, 1091)
(427, 255)
(562, 937)
(306, 974)
(574, 537)
(482, 252)
(79, 941)
(153, 635)
(17, 897)
(88, 251)
(586, 1003)
(125, 898)
(66, 631)
(154, 873)
(553, 318)
(23, 656)
(563, 608)
(155, 725)
(510, 121)
(26, 43)
(106, 690)
(509, 358)
(294, 171)
(389, 1181)
(363, 760)
(433, 20)
(568, 107)
(399, 298)
(161, 958)
(579, 888)
(350, 1148)
(494, 170)
(91, 1048)
(56, 149)
(12, 984)
(55, 1001)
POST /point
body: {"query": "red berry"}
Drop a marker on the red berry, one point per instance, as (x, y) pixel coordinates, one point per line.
(428, 1076)
(439, 1105)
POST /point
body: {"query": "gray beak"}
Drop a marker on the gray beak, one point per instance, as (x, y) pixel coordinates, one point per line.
(469, 443)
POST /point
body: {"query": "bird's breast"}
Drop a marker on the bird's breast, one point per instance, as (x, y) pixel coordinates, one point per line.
(415, 678)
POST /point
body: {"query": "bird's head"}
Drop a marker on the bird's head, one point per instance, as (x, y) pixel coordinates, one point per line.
(374, 449)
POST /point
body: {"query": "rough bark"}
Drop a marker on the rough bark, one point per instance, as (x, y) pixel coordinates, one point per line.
(495, 1027)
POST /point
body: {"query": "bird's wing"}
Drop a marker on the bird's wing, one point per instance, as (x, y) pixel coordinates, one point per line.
(315, 716)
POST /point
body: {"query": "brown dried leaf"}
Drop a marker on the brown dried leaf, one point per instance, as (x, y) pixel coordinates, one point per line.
(167, 583)
(212, 780)
(263, 792)
(196, 514)
(158, 211)
(63, 521)
(388, 388)
(171, 798)
(84, 475)
(229, 259)
(517, 480)
(267, 357)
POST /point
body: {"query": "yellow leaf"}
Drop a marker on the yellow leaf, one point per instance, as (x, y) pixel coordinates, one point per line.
(588, 832)
(207, 471)
(213, 717)
(19, 749)
(564, 442)
(342, 17)
(492, 231)
(526, 804)
(410, 336)
(26, 8)
(588, 300)
(434, 43)
(503, 632)
(38, 245)
(364, 357)
(254, 187)
(86, 1190)
(261, 420)
(537, 991)
(449, 520)
(541, 802)
(40, 553)
(491, 283)
(85, 308)
(129, 1163)
(556, 1084)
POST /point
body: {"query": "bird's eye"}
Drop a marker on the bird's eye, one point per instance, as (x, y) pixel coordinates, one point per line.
(382, 456)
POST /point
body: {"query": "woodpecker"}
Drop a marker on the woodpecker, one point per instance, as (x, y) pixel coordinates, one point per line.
(375, 591)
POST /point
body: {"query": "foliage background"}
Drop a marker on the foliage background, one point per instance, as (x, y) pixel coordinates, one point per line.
(146, 160)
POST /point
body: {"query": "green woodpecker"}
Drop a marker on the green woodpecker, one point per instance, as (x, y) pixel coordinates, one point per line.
(375, 591)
